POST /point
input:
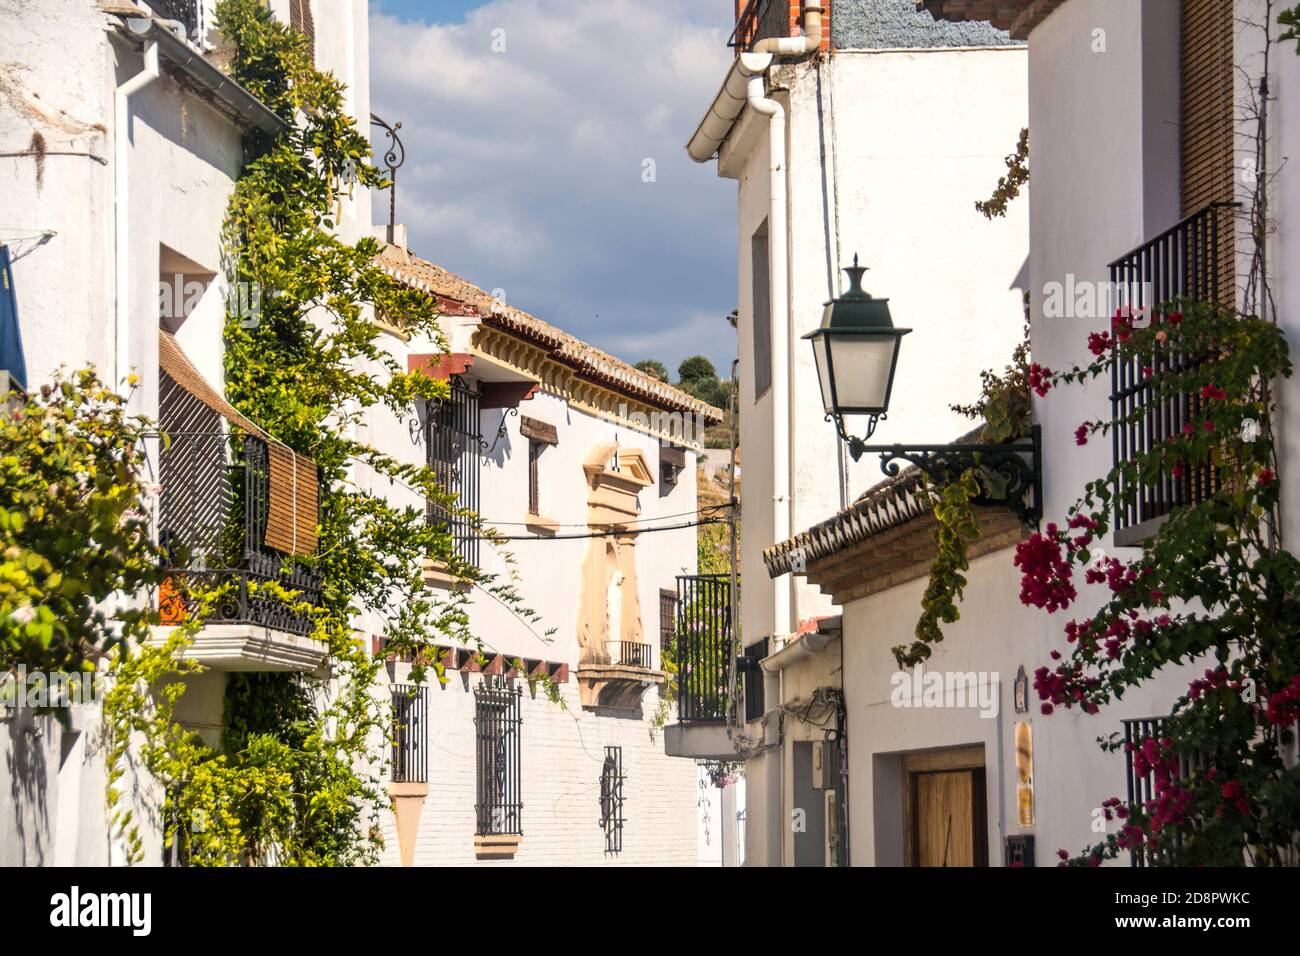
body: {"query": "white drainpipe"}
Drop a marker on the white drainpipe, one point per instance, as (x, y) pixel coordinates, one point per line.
(810, 42)
(779, 303)
(121, 207)
(778, 296)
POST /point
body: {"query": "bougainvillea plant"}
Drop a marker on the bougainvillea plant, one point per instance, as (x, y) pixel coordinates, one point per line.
(1212, 589)
(1009, 186)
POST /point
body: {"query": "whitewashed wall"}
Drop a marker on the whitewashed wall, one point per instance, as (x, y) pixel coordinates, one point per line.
(910, 157)
(1089, 204)
(562, 747)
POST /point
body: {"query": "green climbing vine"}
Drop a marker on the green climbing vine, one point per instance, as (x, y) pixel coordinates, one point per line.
(1004, 408)
(1290, 18)
(1009, 185)
(296, 778)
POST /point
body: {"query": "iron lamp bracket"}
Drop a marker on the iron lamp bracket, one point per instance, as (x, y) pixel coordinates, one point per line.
(1013, 469)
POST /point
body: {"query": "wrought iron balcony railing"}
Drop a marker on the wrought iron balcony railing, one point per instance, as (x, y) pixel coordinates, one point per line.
(213, 506)
(187, 12)
(1190, 260)
(1142, 787)
(705, 649)
(630, 654)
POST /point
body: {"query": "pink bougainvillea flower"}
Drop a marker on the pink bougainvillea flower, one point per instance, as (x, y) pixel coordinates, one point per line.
(1081, 433)
(1099, 342)
(1266, 477)
(1212, 393)
(1040, 379)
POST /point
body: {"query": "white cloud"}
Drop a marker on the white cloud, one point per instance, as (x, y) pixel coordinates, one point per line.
(524, 167)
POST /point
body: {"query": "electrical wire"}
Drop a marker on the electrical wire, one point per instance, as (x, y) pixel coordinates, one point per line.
(630, 532)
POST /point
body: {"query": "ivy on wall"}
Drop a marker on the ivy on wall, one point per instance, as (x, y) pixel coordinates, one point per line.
(1004, 408)
(297, 778)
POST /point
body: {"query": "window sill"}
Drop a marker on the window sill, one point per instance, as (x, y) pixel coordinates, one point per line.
(540, 525)
(1134, 536)
(501, 846)
(395, 331)
(437, 576)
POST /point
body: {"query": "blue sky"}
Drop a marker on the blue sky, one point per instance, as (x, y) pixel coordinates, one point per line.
(529, 126)
(428, 11)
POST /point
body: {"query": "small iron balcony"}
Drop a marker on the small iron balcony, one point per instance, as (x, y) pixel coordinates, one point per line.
(213, 508)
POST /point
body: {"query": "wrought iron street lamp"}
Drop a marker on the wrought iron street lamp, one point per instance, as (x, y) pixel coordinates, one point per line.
(856, 351)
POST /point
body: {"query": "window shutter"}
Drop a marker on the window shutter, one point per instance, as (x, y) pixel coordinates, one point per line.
(1207, 140)
(300, 19)
(762, 312)
(294, 500)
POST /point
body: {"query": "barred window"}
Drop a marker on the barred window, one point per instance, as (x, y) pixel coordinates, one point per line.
(497, 721)
(755, 700)
(1142, 788)
(410, 756)
(667, 617)
(455, 453)
(611, 799)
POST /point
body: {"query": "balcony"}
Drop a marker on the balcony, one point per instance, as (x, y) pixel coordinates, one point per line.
(1193, 259)
(219, 502)
(705, 654)
(629, 654)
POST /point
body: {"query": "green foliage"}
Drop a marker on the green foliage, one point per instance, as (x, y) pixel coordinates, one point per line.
(1290, 18)
(297, 779)
(73, 525)
(1213, 583)
(653, 367)
(954, 508)
(697, 368)
(1009, 186)
(1005, 408)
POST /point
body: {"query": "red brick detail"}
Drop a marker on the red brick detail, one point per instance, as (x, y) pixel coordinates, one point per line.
(441, 367)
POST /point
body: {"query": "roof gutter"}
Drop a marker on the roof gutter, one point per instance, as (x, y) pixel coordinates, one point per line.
(796, 651)
(730, 100)
(243, 105)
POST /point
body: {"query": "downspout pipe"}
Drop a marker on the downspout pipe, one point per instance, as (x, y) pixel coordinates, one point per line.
(810, 42)
(756, 96)
(149, 73)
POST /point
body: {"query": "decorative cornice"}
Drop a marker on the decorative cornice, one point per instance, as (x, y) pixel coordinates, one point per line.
(596, 381)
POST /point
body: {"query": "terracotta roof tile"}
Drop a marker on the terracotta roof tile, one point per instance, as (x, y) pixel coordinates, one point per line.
(587, 360)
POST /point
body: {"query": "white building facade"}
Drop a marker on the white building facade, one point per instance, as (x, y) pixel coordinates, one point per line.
(976, 774)
(131, 140)
(852, 128)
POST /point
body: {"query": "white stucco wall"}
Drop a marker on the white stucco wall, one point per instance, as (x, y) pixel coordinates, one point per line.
(910, 165)
(884, 162)
(562, 747)
(1088, 206)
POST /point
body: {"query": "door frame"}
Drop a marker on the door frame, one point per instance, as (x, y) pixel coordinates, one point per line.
(970, 757)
